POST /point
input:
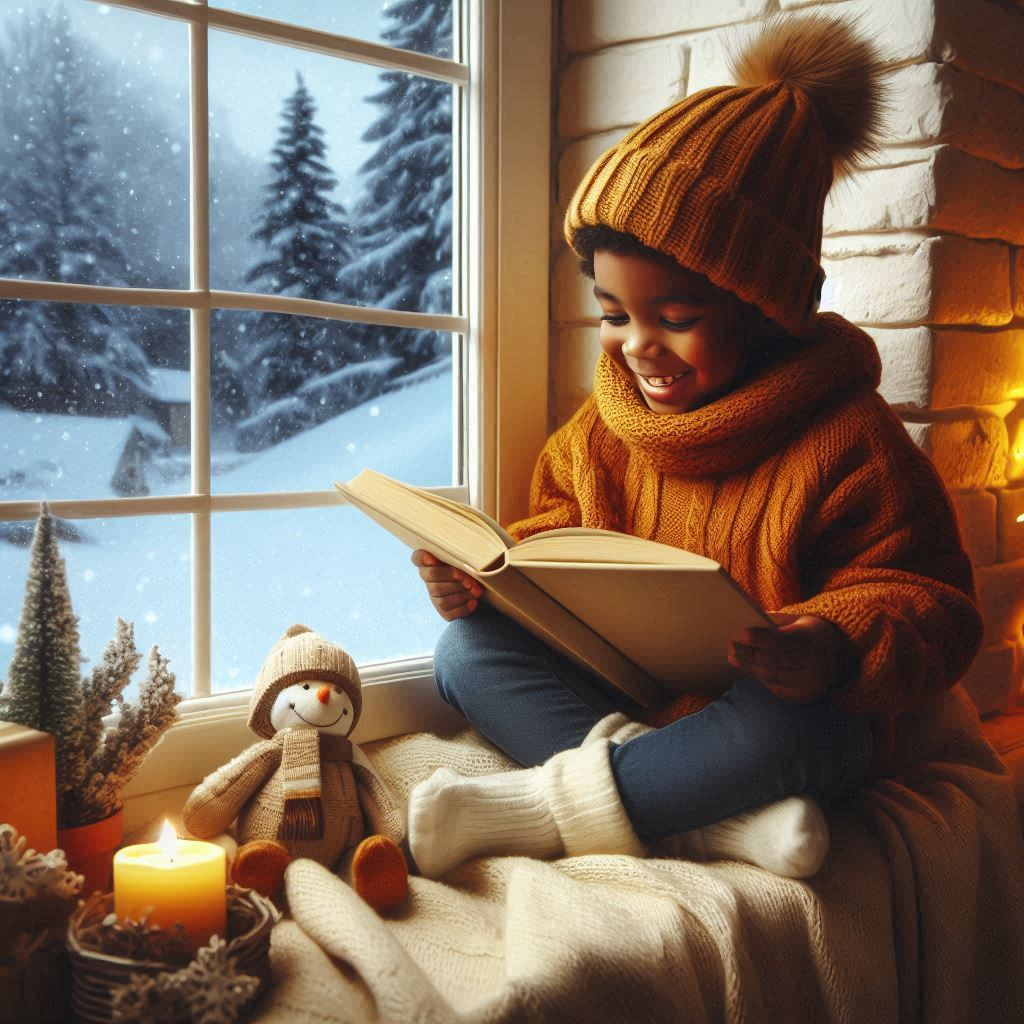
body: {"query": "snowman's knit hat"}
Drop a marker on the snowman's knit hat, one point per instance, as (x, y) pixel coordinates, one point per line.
(299, 655)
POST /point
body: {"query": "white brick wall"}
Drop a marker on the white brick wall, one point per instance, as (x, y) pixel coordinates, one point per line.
(905, 279)
(936, 367)
(940, 189)
(925, 249)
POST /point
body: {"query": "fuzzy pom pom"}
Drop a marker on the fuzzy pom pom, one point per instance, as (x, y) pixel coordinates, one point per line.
(834, 65)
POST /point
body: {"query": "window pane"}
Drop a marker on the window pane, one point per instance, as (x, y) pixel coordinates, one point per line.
(421, 25)
(93, 146)
(94, 401)
(300, 402)
(137, 569)
(329, 179)
(332, 569)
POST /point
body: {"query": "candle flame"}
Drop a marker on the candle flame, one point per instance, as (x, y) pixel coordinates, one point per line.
(168, 841)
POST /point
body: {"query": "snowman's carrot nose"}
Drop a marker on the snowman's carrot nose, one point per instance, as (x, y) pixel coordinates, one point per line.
(323, 694)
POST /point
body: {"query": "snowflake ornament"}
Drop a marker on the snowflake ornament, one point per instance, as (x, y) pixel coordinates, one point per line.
(25, 874)
(209, 991)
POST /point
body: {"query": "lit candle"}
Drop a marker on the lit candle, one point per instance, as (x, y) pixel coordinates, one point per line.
(181, 880)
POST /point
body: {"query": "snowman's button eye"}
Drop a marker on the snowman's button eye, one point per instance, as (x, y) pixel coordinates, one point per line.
(337, 689)
(345, 712)
(305, 686)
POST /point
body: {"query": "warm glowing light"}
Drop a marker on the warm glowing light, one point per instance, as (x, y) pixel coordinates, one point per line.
(1017, 445)
(173, 881)
(1020, 518)
(168, 841)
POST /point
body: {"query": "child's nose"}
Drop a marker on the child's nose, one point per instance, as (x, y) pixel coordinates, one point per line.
(323, 694)
(640, 343)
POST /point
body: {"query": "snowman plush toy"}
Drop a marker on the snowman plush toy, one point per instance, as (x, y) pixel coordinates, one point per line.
(305, 790)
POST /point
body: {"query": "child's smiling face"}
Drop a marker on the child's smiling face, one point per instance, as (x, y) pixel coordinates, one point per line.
(682, 340)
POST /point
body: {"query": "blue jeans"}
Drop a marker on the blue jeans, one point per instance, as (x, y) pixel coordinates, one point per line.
(746, 749)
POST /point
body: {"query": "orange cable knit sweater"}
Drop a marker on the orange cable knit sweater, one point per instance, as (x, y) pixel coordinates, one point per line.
(806, 487)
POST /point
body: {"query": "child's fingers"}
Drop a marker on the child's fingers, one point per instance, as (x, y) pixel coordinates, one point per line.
(443, 574)
(459, 611)
(779, 659)
(799, 684)
(451, 602)
(771, 639)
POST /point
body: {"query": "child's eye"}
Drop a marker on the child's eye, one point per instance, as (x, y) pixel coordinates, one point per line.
(679, 325)
(615, 319)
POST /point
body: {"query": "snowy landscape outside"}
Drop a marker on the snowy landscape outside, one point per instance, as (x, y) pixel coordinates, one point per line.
(329, 180)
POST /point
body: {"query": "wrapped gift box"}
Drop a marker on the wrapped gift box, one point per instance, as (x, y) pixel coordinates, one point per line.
(28, 784)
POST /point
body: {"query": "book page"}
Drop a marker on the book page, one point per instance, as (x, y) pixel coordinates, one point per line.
(578, 544)
(456, 533)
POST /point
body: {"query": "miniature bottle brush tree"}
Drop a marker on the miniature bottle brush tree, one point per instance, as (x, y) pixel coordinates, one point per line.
(45, 690)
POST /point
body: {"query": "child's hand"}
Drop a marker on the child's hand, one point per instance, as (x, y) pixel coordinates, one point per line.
(797, 661)
(452, 593)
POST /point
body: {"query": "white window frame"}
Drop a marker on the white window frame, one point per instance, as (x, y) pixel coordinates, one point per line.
(504, 71)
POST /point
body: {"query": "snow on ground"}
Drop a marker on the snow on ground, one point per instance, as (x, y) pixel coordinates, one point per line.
(330, 568)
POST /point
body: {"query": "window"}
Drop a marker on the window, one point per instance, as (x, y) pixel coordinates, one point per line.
(242, 258)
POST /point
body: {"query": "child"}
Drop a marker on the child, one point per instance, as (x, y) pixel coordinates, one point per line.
(729, 419)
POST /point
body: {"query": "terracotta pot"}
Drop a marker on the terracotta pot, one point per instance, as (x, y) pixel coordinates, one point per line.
(90, 849)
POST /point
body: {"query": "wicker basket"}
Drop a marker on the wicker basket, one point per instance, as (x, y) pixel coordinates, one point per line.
(95, 974)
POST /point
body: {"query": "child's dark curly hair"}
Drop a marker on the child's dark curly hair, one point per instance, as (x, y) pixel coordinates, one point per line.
(592, 238)
(589, 239)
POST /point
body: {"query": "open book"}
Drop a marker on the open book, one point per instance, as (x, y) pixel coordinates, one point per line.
(649, 618)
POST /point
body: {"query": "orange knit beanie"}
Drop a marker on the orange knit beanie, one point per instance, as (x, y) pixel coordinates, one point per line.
(731, 181)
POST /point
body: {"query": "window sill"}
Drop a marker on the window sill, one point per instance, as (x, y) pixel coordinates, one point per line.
(398, 697)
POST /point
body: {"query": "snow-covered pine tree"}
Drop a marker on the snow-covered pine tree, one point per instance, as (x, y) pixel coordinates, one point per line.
(404, 215)
(307, 235)
(61, 227)
(43, 682)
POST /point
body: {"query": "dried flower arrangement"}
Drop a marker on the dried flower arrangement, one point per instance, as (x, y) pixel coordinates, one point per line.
(130, 940)
(46, 691)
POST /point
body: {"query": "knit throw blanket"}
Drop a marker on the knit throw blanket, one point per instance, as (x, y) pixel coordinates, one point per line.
(917, 915)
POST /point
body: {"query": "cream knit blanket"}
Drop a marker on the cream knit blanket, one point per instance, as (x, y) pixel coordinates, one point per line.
(917, 915)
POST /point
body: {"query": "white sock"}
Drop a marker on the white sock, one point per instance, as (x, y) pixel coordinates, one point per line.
(453, 818)
(788, 838)
(617, 728)
(568, 805)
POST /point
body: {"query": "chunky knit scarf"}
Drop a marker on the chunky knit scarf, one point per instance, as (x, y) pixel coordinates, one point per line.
(302, 750)
(753, 420)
